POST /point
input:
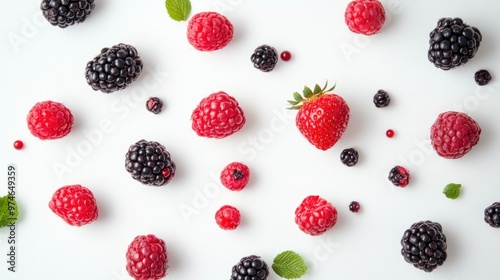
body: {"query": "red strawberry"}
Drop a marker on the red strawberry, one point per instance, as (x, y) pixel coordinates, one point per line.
(322, 117)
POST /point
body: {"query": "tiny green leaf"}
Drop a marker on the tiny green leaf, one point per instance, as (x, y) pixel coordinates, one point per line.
(332, 88)
(317, 89)
(293, 102)
(8, 210)
(307, 92)
(297, 96)
(178, 9)
(452, 190)
(289, 265)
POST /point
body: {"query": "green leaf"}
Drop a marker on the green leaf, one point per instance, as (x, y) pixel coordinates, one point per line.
(293, 102)
(332, 88)
(8, 210)
(317, 89)
(307, 92)
(178, 9)
(297, 96)
(452, 190)
(289, 265)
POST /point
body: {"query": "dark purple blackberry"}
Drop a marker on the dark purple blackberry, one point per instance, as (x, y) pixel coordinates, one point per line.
(452, 43)
(399, 176)
(349, 157)
(381, 99)
(492, 215)
(264, 58)
(250, 268)
(114, 68)
(482, 77)
(354, 206)
(149, 163)
(64, 13)
(154, 105)
(424, 245)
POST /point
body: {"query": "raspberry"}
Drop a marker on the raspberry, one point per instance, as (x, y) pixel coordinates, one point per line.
(217, 116)
(251, 268)
(453, 134)
(399, 176)
(365, 16)
(147, 258)
(315, 215)
(74, 204)
(154, 105)
(227, 217)
(235, 176)
(49, 120)
(209, 31)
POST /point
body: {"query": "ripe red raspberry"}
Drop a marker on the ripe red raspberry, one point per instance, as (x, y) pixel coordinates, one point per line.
(453, 134)
(227, 217)
(147, 258)
(235, 176)
(209, 31)
(365, 16)
(217, 116)
(74, 204)
(49, 120)
(315, 215)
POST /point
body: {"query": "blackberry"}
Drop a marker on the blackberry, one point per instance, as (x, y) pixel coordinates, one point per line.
(354, 206)
(149, 163)
(424, 245)
(381, 99)
(264, 58)
(482, 77)
(114, 68)
(64, 13)
(349, 157)
(154, 105)
(250, 268)
(492, 215)
(452, 43)
(399, 176)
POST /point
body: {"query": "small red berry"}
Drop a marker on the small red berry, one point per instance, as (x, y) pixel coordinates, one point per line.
(315, 215)
(147, 258)
(18, 144)
(49, 120)
(389, 133)
(286, 55)
(75, 204)
(227, 217)
(354, 206)
(235, 176)
(209, 31)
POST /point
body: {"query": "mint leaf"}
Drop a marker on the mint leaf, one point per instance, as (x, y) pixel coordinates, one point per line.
(289, 265)
(452, 190)
(178, 9)
(8, 210)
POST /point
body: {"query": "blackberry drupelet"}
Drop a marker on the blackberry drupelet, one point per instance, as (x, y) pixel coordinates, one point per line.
(482, 77)
(452, 43)
(154, 105)
(64, 13)
(349, 157)
(424, 245)
(399, 176)
(354, 206)
(250, 268)
(492, 215)
(264, 58)
(114, 68)
(381, 99)
(149, 163)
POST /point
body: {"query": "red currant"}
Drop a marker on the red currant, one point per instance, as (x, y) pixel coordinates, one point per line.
(354, 206)
(18, 144)
(389, 133)
(286, 55)
(227, 217)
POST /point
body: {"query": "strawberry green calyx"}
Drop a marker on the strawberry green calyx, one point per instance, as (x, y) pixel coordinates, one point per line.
(308, 94)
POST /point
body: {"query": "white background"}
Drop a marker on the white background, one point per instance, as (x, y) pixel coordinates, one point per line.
(42, 62)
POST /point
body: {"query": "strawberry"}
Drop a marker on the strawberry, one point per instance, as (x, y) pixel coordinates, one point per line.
(322, 116)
